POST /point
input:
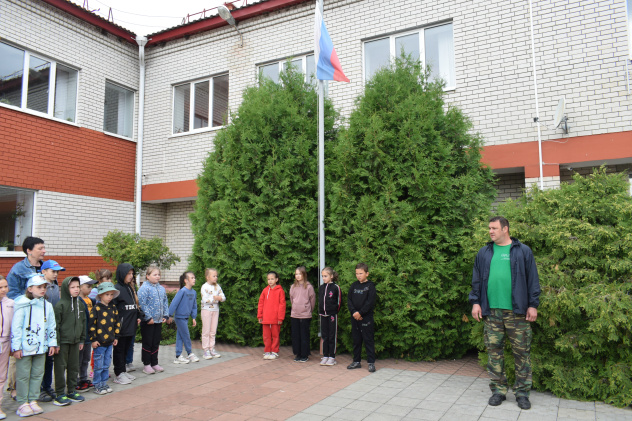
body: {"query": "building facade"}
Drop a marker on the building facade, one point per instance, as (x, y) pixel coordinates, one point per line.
(196, 74)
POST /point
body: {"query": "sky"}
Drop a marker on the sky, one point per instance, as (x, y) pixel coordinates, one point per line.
(148, 16)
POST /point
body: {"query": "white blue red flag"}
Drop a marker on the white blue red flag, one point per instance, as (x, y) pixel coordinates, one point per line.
(327, 64)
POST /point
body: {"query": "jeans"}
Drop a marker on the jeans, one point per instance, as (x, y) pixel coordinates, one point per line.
(102, 357)
(182, 336)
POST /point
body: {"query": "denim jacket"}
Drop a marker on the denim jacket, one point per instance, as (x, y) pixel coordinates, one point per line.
(152, 298)
(19, 276)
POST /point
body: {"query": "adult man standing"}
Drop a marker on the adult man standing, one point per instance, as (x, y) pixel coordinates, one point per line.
(505, 294)
(21, 271)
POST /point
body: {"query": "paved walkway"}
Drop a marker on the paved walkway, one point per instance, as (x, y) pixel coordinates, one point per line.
(243, 386)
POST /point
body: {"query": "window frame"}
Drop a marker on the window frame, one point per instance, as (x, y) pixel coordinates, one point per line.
(211, 95)
(33, 212)
(421, 31)
(51, 86)
(282, 62)
(134, 93)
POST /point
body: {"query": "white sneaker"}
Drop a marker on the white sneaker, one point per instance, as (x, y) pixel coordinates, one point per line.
(122, 379)
(273, 356)
(330, 362)
(130, 367)
(207, 355)
(324, 360)
(181, 360)
(129, 376)
(215, 354)
(267, 356)
(193, 358)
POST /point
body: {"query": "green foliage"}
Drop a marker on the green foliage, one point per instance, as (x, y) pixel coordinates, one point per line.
(257, 202)
(405, 183)
(581, 236)
(120, 247)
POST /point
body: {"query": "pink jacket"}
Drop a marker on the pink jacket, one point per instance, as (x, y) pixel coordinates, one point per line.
(303, 301)
(6, 317)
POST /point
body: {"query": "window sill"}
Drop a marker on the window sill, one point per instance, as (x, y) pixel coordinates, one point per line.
(198, 131)
(131, 139)
(12, 254)
(38, 114)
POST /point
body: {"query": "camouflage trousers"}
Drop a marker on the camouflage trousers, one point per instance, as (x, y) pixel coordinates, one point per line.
(503, 323)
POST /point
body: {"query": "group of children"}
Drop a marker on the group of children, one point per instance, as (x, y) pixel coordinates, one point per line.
(76, 324)
(360, 303)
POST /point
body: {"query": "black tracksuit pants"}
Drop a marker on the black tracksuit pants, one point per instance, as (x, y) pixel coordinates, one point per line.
(152, 335)
(329, 333)
(363, 331)
(300, 337)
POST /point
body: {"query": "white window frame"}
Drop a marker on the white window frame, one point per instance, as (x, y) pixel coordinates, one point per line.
(393, 54)
(281, 63)
(51, 87)
(133, 110)
(211, 94)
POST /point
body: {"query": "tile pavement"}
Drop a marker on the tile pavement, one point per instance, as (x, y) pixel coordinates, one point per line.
(243, 386)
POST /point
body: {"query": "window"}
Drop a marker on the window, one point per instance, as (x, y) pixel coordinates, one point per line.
(304, 64)
(434, 46)
(16, 217)
(45, 86)
(118, 111)
(629, 10)
(201, 104)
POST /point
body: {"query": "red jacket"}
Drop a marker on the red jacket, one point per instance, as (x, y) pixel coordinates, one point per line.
(271, 305)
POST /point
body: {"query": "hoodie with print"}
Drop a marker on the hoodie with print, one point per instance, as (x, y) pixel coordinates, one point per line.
(126, 303)
(70, 315)
(104, 323)
(152, 298)
(33, 329)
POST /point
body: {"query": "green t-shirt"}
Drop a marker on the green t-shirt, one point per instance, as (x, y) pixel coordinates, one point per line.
(499, 283)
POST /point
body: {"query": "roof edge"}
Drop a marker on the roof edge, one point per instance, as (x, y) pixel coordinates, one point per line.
(216, 21)
(87, 16)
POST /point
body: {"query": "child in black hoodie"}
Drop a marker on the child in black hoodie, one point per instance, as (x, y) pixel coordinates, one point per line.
(127, 306)
(329, 297)
(361, 301)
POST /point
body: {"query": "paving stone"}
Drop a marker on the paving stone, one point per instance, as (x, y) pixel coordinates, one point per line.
(336, 401)
(424, 414)
(585, 406)
(349, 394)
(406, 402)
(301, 416)
(393, 410)
(497, 413)
(578, 414)
(364, 405)
(320, 409)
(351, 414)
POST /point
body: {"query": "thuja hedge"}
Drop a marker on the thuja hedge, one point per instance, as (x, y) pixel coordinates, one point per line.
(406, 185)
(257, 202)
(581, 236)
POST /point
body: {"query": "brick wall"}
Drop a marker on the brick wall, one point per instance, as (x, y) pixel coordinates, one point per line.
(74, 265)
(566, 174)
(508, 186)
(153, 220)
(179, 237)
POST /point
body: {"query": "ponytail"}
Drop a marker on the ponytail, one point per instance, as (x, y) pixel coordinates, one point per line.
(183, 277)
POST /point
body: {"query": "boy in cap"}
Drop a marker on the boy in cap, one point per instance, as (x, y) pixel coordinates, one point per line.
(70, 316)
(104, 328)
(85, 288)
(50, 269)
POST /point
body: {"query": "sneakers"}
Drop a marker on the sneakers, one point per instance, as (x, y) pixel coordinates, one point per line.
(130, 367)
(108, 388)
(129, 376)
(47, 395)
(36, 408)
(122, 379)
(215, 354)
(523, 402)
(193, 358)
(273, 356)
(496, 399)
(61, 400)
(75, 397)
(148, 370)
(354, 365)
(100, 390)
(2, 415)
(303, 360)
(24, 410)
(296, 359)
(83, 386)
(371, 368)
(207, 355)
(331, 362)
(181, 360)
(157, 368)
(323, 361)
(267, 355)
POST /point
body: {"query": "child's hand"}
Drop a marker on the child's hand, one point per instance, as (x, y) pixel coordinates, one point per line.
(357, 316)
(280, 322)
(95, 344)
(80, 347)
(194, 323)
(138, 321)
(115, 342)
(151, 321)
(17, 354)
(51, 351)
(261, 321)
(217, 298)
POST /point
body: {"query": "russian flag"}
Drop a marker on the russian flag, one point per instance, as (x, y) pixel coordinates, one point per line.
(327, 64)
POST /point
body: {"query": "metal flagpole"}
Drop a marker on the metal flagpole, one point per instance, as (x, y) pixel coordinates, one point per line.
(321, 170)
(535, 89)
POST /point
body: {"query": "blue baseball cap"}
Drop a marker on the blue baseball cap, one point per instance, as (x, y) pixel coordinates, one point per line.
(51, 264)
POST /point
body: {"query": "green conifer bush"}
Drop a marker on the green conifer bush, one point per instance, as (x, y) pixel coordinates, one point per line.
(581, 236)
(405, 184)
(257, 202)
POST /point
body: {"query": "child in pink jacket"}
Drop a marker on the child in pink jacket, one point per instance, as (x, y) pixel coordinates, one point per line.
(6, 317)
(271, 312)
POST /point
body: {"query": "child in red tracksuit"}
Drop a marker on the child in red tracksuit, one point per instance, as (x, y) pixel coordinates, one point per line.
(271, 313)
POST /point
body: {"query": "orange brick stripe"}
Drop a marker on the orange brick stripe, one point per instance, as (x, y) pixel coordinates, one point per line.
(38, 153)
(75, 265)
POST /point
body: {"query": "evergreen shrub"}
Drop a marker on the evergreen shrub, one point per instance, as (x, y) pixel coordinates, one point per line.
(581, 236)
(405, 184)
(257, 202)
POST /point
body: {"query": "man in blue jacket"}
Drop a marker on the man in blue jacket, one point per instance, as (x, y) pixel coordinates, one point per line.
(505, 294)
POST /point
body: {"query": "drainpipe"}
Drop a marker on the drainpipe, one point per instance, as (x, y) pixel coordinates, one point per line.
(141, 41)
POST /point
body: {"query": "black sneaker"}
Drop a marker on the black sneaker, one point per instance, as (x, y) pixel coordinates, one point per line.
(47, 395)
(302, 360)
(297, 359)
(496, 399)
(61, 400)
(371, 368)
(523, 402)
(354, 365)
